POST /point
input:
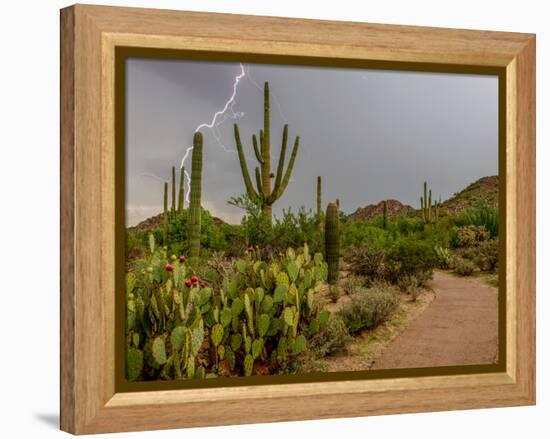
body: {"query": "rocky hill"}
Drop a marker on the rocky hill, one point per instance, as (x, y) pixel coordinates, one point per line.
(482, 191)
(157, 220)
(395, 208)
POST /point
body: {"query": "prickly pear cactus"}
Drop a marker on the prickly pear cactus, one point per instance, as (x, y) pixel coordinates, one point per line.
(178, 330)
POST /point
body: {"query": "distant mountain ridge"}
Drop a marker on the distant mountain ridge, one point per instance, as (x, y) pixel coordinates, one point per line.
(482, 191)
(395, 208)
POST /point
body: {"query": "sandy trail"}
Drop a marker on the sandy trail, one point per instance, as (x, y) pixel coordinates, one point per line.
(460, 327)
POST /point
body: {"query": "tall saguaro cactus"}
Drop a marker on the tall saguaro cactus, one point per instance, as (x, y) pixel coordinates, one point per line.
(194, 218)
(264, 196)
(385, 216)
(181, 192)
(426, 206)
(165, 217)
(332, 242)
(173, 210)
(319, 198)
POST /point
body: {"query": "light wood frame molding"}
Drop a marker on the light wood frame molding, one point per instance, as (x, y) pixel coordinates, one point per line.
(89, 36)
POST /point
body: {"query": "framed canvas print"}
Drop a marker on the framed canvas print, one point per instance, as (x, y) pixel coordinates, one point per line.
(269, 219)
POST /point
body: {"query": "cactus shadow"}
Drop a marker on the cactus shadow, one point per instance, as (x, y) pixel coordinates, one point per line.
(49, 419)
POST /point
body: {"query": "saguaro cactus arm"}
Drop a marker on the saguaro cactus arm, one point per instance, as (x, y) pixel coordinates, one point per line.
(257, 152)
(244, 167)
(281, 165)
(278, 191)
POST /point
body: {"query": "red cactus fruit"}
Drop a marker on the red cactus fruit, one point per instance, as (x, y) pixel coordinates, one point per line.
(169, 267)
(188, 283)
(182, 258)
(194, 279)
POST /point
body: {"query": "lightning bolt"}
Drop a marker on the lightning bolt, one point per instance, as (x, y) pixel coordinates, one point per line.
(223, 114)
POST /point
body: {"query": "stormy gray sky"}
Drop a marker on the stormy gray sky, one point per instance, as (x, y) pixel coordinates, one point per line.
(371, 134)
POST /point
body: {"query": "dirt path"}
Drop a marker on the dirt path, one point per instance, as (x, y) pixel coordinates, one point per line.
(460, 327)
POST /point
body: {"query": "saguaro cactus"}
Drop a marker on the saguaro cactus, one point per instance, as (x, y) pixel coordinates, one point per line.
(426, 206)
(264, 196)
(165, 218)
(173, 211)
(194, 218)
(181, 192)
(385, 216)
(332, 242)
(319, 198)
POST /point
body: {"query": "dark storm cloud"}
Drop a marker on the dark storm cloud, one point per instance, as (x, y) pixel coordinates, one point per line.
(371, 134)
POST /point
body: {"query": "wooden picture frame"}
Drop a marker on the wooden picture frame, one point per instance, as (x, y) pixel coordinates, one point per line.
(90, 36)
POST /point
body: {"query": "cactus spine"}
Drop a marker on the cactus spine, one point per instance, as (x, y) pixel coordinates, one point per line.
(263, 195)
(165, 218)
(426, 206)
(385, 216)
(332, 242)
(194, 219)
(181, 192)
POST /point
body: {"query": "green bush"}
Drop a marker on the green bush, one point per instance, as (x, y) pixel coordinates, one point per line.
(352, 283)
(330, 338)
(369, 308)
(359, 233)
(366, 261)
(413, 257)
(464, 267)
(485, 216)
(470, 236)
(487, 257)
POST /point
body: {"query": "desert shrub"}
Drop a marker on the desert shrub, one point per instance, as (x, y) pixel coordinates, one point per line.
(443, 256)
(410, 285)
(359, 233)
(329, 338)
(334, 293)
(409, 226)
(414, 257)
(294, 230)
(352, 283)
(470, 253)
(368, 308)
(470, 236)
(464, 267)
(485, 216)
(178, 326)
(135, 245)
(290, 230)
(487, 257)
(366, 261)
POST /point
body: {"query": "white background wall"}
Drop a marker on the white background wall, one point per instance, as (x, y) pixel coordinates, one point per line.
(29, 219)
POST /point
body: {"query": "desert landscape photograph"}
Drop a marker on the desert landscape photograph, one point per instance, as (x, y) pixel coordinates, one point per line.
(287, 219)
